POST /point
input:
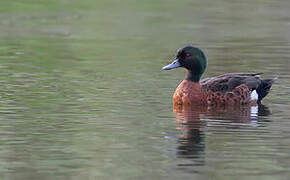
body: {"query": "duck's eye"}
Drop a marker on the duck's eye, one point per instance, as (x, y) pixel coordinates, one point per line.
(187, 54)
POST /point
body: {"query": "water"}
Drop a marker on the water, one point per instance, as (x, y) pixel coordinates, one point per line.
(83, 96)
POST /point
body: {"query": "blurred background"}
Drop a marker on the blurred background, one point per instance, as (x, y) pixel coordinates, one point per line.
(82, 94)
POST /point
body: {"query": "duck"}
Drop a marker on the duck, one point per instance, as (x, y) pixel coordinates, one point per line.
(226, 89)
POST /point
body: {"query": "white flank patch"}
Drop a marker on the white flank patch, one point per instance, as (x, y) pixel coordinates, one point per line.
(254, 95)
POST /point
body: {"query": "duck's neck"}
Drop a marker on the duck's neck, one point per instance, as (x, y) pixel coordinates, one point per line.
(191, 76)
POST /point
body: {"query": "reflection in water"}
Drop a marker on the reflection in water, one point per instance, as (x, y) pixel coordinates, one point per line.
(263, 110)
(191, 143)
(191, 122)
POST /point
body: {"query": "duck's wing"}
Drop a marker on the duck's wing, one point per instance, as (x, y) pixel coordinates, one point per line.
(232, 83)
(228, 82)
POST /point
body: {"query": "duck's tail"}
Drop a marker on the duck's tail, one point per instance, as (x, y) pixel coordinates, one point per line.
(264, 88)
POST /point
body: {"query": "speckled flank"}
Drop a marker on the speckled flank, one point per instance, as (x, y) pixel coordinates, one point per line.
(238, 96)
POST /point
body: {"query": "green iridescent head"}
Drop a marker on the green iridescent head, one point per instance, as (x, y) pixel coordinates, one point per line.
(192, 59)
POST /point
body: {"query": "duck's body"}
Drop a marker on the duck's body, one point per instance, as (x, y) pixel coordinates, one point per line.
(227, 89)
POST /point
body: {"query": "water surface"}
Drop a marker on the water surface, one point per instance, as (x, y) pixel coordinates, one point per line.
(83, 96)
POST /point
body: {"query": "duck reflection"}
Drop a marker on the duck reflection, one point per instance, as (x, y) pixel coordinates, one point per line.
(192, 122)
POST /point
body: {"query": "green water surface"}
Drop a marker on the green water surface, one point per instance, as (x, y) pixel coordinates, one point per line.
(82, 94)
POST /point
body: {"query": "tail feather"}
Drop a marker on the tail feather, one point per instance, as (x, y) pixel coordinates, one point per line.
(264, 88)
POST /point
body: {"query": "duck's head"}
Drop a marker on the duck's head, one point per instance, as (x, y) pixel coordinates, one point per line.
(192, 59)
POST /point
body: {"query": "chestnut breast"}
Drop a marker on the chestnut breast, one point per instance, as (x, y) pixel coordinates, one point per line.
(189, 93)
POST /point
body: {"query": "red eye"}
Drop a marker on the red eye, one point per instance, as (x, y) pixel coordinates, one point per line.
(187, 54)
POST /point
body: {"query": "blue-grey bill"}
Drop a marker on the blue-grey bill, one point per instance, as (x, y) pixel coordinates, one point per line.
(174, 64)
